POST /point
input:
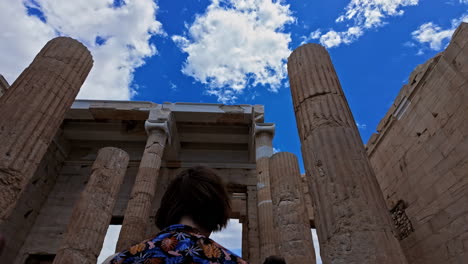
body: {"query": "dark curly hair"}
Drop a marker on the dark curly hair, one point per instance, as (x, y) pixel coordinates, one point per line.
(198, 193)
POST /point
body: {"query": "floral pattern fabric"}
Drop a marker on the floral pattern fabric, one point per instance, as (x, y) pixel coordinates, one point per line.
(178, 244)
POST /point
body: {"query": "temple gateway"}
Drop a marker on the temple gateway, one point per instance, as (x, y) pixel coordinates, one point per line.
(70, 168)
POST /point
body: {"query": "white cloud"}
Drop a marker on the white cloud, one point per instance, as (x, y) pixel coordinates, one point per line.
(361, 126)
(230, 237)
(235, 44)
(360, 16)
(118, 38)
(276, 150)
(435, 37)
(172, 86)
(110, 242)
(316, 245)
(463, 1)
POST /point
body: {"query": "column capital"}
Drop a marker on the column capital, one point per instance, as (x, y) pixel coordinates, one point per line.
(151, 126)
(159, 119)
(265, 128)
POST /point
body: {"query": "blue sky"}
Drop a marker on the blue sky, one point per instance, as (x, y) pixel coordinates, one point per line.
(235, 52)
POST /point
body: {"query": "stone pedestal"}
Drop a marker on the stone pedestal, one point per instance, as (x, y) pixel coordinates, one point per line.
(352, 220)
(93, 211)
(289, 210)
(264, 133)
(32, 110)
(139, 206)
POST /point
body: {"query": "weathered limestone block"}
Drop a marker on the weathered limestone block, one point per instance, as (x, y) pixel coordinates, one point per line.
(92, 213)
(289, 210)
(264, 133)
(32, 110)
(352, 220)
(253, 238)
(139, 206)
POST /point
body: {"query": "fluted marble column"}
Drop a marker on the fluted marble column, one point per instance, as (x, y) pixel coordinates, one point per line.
(32, 109)
(92, 212)
(264, 133)
(139, 206)
(289, 210)
(352, 220)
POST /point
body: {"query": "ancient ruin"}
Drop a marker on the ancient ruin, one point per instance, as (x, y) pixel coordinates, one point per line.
(69, 168)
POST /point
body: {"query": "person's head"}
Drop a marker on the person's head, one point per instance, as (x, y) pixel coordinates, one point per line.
(274, 260)
(197, 193)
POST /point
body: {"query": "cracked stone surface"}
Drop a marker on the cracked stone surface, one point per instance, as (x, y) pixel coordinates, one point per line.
(37, 102)
(289, 210)
(266, 230)
(352, 221)
(92, 213)
(139, 206)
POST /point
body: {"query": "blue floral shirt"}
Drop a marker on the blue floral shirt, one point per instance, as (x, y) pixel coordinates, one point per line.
(178, 244)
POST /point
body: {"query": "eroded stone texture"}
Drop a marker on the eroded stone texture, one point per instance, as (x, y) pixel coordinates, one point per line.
(139, 208)
(92, 213)
(352, 221)
(264, 133)
(32, 110)
(30, 201)
(289, 210)
(253, 238)
(420, 157)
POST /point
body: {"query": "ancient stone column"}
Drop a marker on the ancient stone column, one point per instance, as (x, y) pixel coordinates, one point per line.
(92, 213)
(352, 220)
(289, 210)
(3, 85)
(264, 133)
(252, 225)
(139, 206)
(32, 110)
(245, 238)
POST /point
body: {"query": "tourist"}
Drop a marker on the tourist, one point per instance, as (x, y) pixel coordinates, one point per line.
(194, 205)
(274, 260)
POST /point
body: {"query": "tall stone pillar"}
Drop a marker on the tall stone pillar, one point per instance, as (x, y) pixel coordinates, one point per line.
(264, 133)
(252, 225)
(289, 210)
(93, 211)
(137, 214)
(32, 110)
(352, 220)
(245, 238)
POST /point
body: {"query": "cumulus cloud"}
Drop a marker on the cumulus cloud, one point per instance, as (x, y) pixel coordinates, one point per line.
(237, 44)
(433, 36)
(360, 16)
(117, 36)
